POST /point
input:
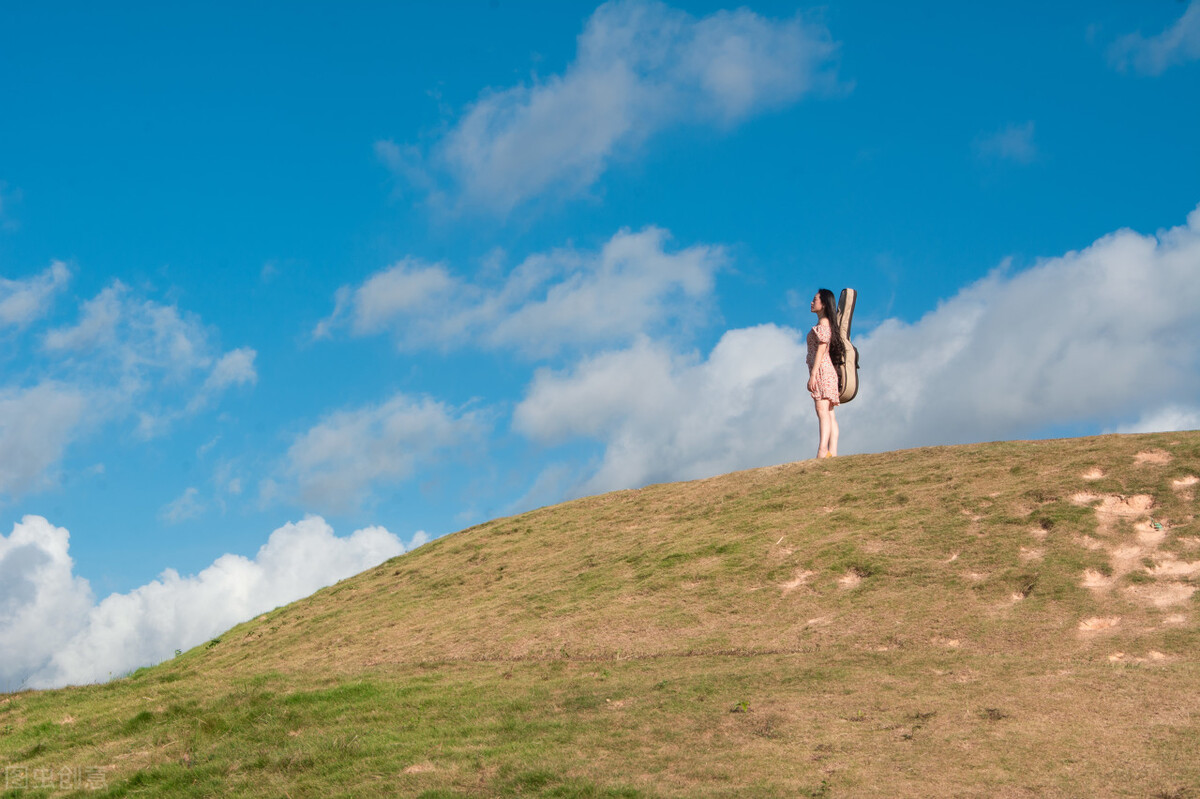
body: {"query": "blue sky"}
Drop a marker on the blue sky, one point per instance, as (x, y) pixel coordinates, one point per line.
(408, 267)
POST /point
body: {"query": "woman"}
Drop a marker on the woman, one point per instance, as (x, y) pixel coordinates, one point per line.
(825, 347)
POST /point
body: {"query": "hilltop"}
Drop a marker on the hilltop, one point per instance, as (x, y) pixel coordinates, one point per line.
(1005, 619)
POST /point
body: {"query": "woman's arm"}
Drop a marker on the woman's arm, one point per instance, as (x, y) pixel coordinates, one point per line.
(822, 351)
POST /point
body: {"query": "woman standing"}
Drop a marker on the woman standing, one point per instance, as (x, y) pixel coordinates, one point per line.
(825, 346)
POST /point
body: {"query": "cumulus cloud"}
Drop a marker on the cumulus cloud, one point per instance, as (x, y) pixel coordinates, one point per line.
(54, 634)
(1095, 336)
(336, 463)
(640, 67)
(559, 299)
(43, 605)
(1014, 143)
(1178, 44)
(23, 301)
(664, 416)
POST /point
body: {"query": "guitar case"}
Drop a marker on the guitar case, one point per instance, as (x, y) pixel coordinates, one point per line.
(848, 369)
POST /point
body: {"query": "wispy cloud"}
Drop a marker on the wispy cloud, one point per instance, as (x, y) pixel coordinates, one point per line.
(1178, 44)
(124, 357)
(53, 633)
(640, 67)
(552, 301)
(1013, 143)
(36, 426)
(149, 355)
(1163, 419)
(24, 301)
(1105, 334)
(186, 506)
(337, 462)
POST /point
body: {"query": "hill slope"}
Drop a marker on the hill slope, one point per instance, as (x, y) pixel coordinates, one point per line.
(1004, 619)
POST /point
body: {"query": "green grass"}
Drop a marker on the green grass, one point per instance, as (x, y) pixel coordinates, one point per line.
(907, 624)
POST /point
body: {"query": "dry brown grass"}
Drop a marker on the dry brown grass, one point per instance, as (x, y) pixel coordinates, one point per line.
(1006, 619)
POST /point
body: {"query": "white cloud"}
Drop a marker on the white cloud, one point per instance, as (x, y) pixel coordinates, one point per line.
(1094, 336)
(97, 325)
(336, 463)
(664, 416)
(559, 299)
(235, 368)
(42, 604)
(141, 341)
(123, 357)
(640, 67)
(23, 301)
(1165, 419)
(185, 506)
(36, 425)
(147, 354)
(1176, 45)
(1013, 143)
(57, 636)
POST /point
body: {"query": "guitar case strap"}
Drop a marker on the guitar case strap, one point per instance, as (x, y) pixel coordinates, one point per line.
(848, 369)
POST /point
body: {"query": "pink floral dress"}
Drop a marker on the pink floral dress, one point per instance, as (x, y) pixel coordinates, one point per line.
(827, 379)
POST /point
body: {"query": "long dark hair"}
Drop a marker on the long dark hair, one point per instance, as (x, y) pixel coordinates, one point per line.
(837, 348)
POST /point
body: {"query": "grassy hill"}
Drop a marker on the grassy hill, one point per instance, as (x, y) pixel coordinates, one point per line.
(996, 620)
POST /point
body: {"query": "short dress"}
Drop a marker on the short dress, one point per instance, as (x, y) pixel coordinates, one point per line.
(827, 379)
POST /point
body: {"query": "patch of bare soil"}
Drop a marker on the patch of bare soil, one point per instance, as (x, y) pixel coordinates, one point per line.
(420, 768)
(1113, 507)
(1170, 567)
(1156, 457)
(1094, 473)
(1096, 581)
(1116, 505)
(1153, 656)
(1183, 486)
(1162, 595)
(799, 580)
(1131, 556)
(1150, 534)
(1099, 623)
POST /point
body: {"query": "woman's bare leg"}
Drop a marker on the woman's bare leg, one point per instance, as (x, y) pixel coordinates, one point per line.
(833, 431)
(822, 406)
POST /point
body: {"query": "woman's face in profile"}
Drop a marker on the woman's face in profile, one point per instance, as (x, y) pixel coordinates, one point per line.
(815, 307)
